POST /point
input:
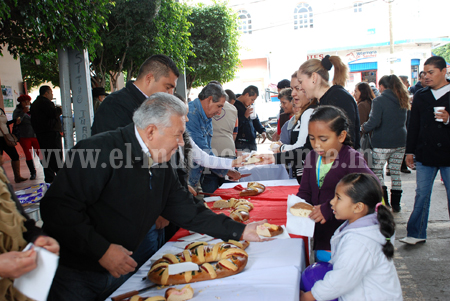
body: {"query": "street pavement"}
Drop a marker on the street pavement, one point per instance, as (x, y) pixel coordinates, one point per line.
(423, 269)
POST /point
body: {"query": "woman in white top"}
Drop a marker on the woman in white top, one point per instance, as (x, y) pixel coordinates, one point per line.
(295, 153)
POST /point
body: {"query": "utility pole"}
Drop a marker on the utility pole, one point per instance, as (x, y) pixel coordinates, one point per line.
(391, 36)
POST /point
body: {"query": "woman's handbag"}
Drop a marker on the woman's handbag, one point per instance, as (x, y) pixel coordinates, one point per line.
(366, 148)
(10, 139)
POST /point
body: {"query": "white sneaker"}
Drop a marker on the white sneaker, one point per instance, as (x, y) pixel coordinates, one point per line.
(411, 240)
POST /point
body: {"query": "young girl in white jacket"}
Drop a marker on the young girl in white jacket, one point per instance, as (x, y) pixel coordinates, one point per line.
(361, 248)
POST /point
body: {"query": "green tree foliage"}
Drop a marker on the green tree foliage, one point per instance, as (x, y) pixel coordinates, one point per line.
(136, 30)
(215, 39)
(443, 51)
(47, 70)
(41, 26)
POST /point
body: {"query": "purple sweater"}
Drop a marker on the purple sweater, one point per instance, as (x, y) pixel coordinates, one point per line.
(347, 161)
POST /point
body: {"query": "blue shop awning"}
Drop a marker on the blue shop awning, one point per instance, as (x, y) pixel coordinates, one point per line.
(363, 66)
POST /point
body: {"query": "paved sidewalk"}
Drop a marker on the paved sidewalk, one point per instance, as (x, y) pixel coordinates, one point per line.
(423, 269)
(25, 173)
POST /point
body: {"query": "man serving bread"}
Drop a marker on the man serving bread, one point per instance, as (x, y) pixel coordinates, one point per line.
(101, 213)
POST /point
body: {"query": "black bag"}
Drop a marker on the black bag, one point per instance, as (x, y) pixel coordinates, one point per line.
(15, 130)
(366, 148)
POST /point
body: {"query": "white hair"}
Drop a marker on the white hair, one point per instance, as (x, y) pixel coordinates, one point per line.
(158, 109)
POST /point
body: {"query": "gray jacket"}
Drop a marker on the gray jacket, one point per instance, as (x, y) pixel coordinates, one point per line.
(25, 128)
(387, 121)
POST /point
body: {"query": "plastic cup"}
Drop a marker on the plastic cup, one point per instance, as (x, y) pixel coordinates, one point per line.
(253, 114)
(436, 109)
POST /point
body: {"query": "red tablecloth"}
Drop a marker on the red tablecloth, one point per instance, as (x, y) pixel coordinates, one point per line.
(272, 193)
(272, 210)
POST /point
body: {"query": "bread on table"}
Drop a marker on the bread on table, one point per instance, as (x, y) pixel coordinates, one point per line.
(301, 209)
(252, 160)
(253, 188)
(186, 293)
(269, 230)
(216, 261)
(240, 214)
(224, 204)
(139, 298)
(220, 204)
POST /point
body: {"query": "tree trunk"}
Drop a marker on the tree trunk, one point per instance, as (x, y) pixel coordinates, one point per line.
(113, 80)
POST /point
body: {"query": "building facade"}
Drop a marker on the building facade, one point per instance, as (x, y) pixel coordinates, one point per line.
(280, 35)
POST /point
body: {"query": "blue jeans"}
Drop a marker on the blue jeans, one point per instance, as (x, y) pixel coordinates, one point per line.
(152, 242)
(425, 175)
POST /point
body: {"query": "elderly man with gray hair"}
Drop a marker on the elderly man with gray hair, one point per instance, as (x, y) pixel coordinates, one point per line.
(112, 188)
(209, 103)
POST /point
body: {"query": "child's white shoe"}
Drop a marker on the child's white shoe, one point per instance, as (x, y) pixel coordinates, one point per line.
(411, 240)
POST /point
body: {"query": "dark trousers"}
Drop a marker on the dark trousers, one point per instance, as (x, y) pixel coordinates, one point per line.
(210, 182)
(51, 150)
(245, 146)
(74, 285)
(10, 150)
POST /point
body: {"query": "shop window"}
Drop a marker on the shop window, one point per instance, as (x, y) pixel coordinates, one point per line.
(244, 22)
(357, 7)
(303, 16)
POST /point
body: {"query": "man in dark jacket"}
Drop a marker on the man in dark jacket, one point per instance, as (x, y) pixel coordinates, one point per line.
(428, 139)
(157, 74)
(47, 126)
(101, 212)
(246, 137)
(419, 85)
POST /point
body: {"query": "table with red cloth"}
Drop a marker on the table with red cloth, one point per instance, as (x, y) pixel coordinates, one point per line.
(270, 205)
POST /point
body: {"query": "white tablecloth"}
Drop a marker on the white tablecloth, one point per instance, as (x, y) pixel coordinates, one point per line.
(264, 172)
(272, 273)
(269, 183)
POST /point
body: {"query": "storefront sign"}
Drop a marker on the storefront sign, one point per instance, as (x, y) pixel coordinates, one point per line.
(315, 56)
(357, 55)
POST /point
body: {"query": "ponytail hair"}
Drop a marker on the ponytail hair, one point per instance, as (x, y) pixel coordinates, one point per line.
(340, 71)
(365, 188)
(395, 84)
(336, 118)
(322, 67)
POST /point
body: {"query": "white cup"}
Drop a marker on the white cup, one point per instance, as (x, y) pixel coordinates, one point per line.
(253, 114)
(436, 109)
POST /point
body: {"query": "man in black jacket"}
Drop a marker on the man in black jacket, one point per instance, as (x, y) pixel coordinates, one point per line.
(100, 212)
(47, 126)
(246, 137)
(157, 74)
(428, 139)
(419, 85)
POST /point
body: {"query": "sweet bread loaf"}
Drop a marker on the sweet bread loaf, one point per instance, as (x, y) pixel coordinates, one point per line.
(224, 204)
(253, 188)
(240, 215)
(301, 209)
(172, 294)
(269, 230)
(252, 160)
(230, 257)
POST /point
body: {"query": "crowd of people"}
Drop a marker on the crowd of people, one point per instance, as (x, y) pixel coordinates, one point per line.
(107, 219)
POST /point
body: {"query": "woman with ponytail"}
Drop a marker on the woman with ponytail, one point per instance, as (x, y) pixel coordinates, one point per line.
(361, 249)
(314, 79)
(387, 121)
